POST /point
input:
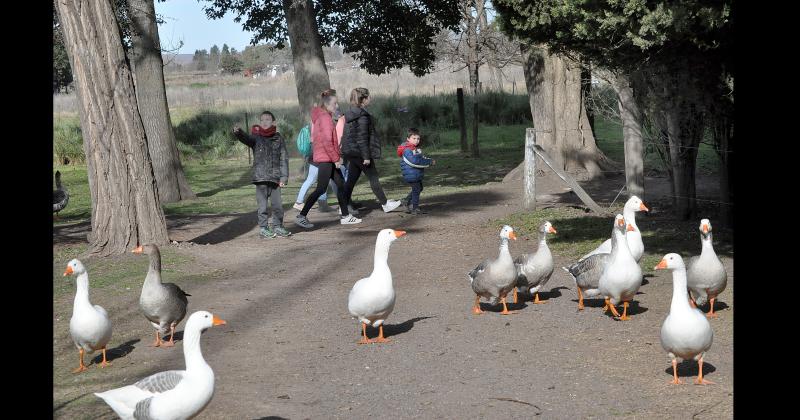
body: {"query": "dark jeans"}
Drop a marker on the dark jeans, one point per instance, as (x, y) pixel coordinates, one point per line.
(355, 166)
(327, 171)
(413, 197)
(269, 191)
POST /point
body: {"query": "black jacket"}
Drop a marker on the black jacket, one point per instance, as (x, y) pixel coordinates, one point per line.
(359, 139)
(270, 160)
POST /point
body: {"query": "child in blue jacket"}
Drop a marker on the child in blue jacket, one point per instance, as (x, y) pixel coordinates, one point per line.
(413, 164)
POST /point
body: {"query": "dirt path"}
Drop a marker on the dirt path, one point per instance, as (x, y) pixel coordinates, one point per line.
(289, 349)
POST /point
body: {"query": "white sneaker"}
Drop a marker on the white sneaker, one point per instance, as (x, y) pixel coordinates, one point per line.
(391, 205)
(349, 220)
(298, 206)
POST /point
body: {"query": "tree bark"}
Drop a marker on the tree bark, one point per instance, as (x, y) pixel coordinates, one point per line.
(462, 120)
(631, 117)
(126, 210)
(538, 82)
(310, 73)
(151, 96)
(473, 65)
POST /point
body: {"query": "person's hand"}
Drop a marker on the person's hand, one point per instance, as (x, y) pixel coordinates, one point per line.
(281, 184)
(434, 162)
(366, 162)
(338, 164)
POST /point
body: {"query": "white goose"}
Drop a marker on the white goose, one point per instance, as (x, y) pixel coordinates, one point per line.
(534, 270)
(372, 298)
(494, 278)
(706, 274)
(173, 394)
(633, 237)
(622, 276)
(89, 326)
(686, 333)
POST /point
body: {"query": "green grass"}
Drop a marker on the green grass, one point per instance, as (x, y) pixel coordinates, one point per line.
(580, 232)
(115, 274)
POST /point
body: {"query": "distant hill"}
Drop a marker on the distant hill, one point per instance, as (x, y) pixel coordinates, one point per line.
(175, 59)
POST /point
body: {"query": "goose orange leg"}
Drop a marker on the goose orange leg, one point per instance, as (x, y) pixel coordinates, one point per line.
(505, 308)
(477, 308)
(675, 379)
(613, 308)
(364, 340)
(711, 313)
(170, 343)
(700, 380)
(157, 343)
(380, 338)
(104, 363)
(536, 299)
(82, 367)
(624, 316)
(515, 295)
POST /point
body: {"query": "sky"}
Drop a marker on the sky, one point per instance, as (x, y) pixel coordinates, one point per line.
(185, 20)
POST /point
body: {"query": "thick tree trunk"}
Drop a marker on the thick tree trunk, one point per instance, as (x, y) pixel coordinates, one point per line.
(538, 81)
(126, 210)
(723, 139)
(684, 130)
(631, 117)
(151, 95)
(310, 73)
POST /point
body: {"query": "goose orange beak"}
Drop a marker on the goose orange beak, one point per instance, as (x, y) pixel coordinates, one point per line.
(552, 230)
(662, 265)
(630, 228)
(399, 233)
(218, 321)
(68, 271)
(621, 222)
(137, 250)
(512, 235)
(642, 207)
(705, 228)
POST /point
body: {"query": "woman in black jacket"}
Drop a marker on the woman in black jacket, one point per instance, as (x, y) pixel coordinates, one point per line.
(360, 148)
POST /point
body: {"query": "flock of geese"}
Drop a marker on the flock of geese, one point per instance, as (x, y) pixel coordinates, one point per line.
(611, 271)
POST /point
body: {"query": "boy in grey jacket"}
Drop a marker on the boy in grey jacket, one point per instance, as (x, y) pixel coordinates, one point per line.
(270, 172)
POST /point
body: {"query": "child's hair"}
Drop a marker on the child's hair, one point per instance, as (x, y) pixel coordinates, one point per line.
(358, 95)
(325, 96)
(268, 113)
(412, 131)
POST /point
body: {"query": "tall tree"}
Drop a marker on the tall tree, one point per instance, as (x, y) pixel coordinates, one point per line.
(62, 72)
(126, 210)
(682, 50)
(378, 34)
(214, 57)
(151, 97)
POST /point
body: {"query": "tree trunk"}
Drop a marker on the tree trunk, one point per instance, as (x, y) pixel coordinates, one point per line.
(723, 139)
(538, 81)
(310, 73)
(126, 210)
(631, 117)
(151, 96)
(684, 130)
(473, 65)
(462, 120)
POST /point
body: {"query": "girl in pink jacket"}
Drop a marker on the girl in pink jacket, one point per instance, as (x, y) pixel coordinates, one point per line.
(325, 152)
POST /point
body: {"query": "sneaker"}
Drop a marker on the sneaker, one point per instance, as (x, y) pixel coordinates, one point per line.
(324, 207)
(281, 231)
(390, 205)
(406, 202)
(298, 206)
(266, 232)
(303, 222)
(416, 211)
(350, 210)
(349, 220)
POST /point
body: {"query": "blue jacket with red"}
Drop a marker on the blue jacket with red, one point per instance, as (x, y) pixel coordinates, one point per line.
(412, 162)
